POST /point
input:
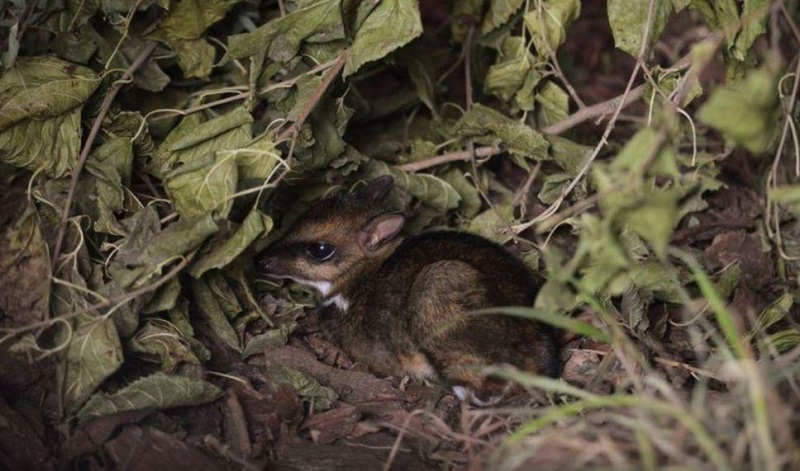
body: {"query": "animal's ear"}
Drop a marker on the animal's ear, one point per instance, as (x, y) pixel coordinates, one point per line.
(377, 189)
(379, 230)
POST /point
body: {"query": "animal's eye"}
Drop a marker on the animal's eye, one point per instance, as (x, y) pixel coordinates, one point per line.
(321, 251)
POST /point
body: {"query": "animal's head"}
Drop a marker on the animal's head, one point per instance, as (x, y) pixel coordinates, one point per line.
(337, 238)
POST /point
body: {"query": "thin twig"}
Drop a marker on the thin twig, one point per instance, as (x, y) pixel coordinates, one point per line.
(553, 208)
(463, 155)
(76, 172)
(600, 109)
(330, 75)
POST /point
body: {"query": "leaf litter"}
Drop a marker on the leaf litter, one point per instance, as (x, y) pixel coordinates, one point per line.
(149, 150)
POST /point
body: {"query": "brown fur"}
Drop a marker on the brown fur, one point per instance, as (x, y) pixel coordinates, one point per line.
(407, 299)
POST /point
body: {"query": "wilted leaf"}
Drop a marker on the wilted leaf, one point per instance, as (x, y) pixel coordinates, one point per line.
(309, 388)
(392, 24)
(209, 309)
(489, 126)
(271, 338)
(470, 203)
(721, 15)
(493, 223)
(145, 248)
(628, 19)
(636, 152)
(183, 27)
(204, 186)
(431, 190)
(255, 225)
(553, 104)
(256, 160)
(101, 194)
(650, 212)
(281, 38)
(43, 97)
(499, 13)
(93, 354)
(157, 391)
(553, 186)
(424, 82)
(608, 264)
(161, 342)
(193, 138)
(747, 113)
(509, 74)
(165, 299)
(787, 196)
(24, 270)
(179, 317)
(754, 14)
(569, 155)
(548, 24)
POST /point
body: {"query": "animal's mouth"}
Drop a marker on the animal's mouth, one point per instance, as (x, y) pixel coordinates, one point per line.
(324, 288)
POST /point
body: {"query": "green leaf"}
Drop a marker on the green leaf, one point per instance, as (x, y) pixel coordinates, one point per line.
(628, 19)
(635, 153)
(721, 15)
(548, 25)
(255, 225)
(43, 97)
(157, 391)
(607, 267)
(392, 24)
(773, 313)
(650, 212)
(747, 113)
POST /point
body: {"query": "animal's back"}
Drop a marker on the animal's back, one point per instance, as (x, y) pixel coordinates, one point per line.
(431, 283)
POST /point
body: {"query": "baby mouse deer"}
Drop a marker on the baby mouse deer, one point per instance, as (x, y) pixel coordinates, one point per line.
(400, 306)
